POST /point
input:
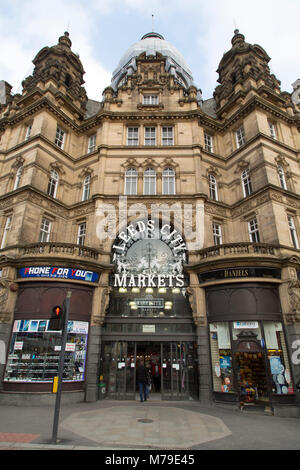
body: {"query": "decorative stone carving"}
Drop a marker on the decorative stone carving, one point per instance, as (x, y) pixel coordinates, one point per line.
(294, 298)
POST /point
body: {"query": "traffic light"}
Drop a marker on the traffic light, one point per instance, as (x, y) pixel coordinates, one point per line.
(57, 319)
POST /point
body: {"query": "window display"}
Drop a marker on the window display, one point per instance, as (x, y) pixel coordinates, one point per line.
(34, 352)
(278, 358)
(221, 357)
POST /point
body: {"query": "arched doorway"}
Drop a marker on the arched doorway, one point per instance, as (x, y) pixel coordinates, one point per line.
(149, 316)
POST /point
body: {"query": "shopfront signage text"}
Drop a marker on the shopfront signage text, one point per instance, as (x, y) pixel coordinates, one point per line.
(56, 272)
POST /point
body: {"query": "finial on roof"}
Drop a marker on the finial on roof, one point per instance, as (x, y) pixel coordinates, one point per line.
(238, 38)
(65, 40)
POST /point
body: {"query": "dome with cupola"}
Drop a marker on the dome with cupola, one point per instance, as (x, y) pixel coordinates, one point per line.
(151, 44)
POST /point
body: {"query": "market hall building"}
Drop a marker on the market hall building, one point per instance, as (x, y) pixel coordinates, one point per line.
(204, 289)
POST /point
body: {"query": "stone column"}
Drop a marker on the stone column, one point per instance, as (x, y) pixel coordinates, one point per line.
(198, 305)
(290, 303)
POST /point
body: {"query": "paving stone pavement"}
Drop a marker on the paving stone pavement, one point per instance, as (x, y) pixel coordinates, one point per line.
(157, 425)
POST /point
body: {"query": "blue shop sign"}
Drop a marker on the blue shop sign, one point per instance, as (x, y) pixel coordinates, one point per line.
(225, 362)
(56, 272)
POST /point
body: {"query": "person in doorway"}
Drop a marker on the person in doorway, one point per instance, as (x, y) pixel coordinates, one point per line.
(156, 376)
(141, 378)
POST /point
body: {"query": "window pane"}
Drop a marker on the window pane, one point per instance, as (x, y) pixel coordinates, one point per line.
(221, 357)
(150, 135)
(131, 182)
(149, 181)
(167, 136)
(133, 136)
(168, 181)
(34, 352)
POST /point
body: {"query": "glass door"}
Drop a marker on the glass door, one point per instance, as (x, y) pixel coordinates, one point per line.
(117, 370)
(179, 371)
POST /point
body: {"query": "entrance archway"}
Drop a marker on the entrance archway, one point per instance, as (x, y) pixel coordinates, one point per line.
(149, 314)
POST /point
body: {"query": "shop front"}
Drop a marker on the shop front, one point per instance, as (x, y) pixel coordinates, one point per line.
(249, 357)
(34, 347)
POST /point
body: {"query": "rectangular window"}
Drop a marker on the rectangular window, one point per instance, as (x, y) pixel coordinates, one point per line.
(272, 130)
(132, 136)
(34, 352)
(150, 135)
(208, 142)
(253, 231)
(81, 234)
(92, 143)
(246, 183)
(217, 234)
(45, 230)
(293, 232)
(60, 138)
(167, 136)
(28, 131)
(150, 99)
(6, 231)
(240, 137)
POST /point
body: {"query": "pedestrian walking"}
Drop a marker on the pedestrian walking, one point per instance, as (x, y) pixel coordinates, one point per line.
(142, 380)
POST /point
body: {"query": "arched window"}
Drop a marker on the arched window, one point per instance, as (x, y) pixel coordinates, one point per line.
(131, 178)
(168, 181)
(281, 175)
(53, 183)
(149, 181)
(18, 177)
(86, 188)
(213, 188)
(246, 182)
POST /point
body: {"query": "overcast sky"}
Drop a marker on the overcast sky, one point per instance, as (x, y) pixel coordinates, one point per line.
(102, 30)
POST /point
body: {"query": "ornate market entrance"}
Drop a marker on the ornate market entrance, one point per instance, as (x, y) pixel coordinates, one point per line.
(172, 367)
(149, 316)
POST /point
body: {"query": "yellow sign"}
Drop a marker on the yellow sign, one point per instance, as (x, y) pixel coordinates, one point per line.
(55, 385)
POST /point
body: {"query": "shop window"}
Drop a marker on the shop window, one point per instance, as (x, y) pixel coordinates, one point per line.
(34, 352)
(221, 356)
(278, 358)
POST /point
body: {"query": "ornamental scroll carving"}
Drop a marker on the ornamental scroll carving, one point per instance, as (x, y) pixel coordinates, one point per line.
(294, 298)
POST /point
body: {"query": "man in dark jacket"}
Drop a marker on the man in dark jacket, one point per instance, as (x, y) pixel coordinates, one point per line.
(142, 378)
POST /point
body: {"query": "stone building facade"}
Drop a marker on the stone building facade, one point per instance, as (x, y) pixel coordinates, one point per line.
(227, 328)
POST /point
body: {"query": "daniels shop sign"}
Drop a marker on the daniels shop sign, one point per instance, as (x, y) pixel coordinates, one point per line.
(58, 273)
(148, 255)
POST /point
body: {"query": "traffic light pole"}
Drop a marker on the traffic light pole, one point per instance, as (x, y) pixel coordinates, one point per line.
(61, 368)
